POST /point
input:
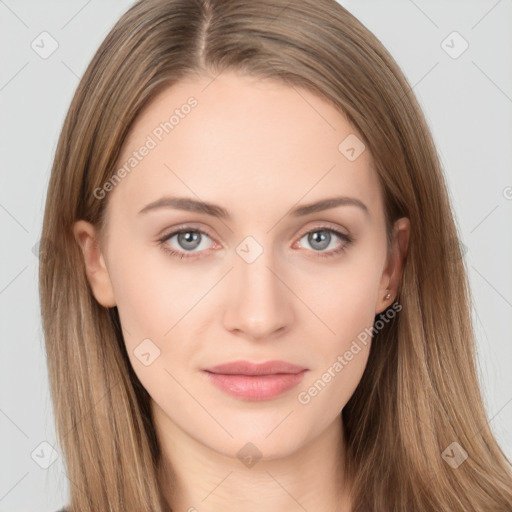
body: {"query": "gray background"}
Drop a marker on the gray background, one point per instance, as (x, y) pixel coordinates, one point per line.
(468, 104)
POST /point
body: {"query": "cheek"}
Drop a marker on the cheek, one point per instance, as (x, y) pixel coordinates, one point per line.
(152, 293)
(347, 307)
(154, 300)
(341, 357)
(345, 295)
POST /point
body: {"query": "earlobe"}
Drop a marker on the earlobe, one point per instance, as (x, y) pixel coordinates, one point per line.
(95, 268)
(395, 264)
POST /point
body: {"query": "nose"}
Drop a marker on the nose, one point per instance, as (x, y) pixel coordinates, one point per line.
(260, 304)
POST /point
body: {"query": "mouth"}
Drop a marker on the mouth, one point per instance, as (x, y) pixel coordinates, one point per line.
(255, 381)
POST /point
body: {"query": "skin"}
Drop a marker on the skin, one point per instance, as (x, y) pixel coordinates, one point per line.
(258, 148)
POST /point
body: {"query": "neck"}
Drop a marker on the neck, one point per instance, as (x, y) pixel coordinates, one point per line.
(196, 478)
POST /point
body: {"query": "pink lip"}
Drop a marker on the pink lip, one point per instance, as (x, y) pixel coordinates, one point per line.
(252, 381)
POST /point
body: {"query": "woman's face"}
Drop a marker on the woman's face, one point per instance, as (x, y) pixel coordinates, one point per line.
(258, 275)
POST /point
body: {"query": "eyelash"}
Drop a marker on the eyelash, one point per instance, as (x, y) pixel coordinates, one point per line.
(181, 255)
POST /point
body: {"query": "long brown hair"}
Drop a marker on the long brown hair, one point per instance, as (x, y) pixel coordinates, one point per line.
(419, 393)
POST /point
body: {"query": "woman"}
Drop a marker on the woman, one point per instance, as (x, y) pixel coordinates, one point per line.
(207, 349)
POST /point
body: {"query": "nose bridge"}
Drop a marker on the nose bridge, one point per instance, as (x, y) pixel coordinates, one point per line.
(260, 303)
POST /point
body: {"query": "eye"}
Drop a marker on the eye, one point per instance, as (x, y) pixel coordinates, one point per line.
(188, 240)
(321, 238)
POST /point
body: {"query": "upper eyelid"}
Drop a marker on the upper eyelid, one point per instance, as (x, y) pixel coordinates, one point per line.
(183, 229)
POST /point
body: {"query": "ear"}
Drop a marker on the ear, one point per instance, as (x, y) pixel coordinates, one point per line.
(397, 255)
(97, 274)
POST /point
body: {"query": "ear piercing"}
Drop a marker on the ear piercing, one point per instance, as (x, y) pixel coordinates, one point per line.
(387, 296)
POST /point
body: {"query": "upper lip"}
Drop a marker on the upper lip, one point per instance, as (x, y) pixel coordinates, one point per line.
(248, 368)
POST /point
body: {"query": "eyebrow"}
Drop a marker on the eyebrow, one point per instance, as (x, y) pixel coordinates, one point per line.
(193, 205)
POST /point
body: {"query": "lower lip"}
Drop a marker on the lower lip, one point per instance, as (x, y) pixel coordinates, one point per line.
(258, 387)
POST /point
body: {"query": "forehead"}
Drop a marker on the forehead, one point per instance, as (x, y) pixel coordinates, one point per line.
(239, 140)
